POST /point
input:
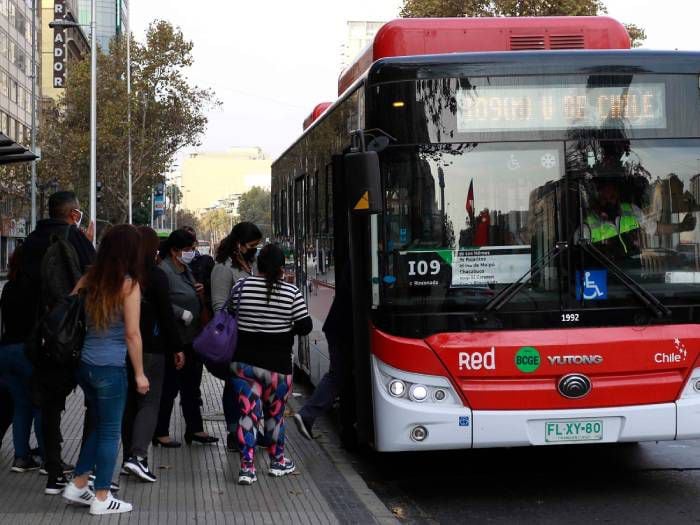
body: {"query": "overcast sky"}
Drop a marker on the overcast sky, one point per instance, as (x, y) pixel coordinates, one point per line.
(271, 61)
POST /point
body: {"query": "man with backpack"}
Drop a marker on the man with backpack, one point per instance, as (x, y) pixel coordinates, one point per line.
(56, 254)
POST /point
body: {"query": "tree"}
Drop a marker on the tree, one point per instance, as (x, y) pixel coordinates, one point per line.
(479, 8)
(637, 34)
(256, 206)
(215, 225)
(168, 114)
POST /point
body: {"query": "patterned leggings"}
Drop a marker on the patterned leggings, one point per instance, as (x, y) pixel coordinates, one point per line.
(260, 393)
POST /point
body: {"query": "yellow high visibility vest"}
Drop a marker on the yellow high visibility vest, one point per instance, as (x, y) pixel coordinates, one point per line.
(601, 231)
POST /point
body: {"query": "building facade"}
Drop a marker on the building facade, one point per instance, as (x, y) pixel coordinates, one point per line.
(59, 47)
(360, 35)
(217, 180)
(15, 118)
(111, 20)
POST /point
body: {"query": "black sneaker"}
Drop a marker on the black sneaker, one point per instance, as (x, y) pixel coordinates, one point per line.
(139, 467)
(24, 465)
(302, 426)
(247, 477)
(66, 468)
(55, 486)
(282, 468)
(113, 486)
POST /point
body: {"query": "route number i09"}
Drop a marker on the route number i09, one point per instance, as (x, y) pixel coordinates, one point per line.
(423, 268)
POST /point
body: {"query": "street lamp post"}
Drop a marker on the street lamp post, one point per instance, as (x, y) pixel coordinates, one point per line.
(63, 23)
(33, 109)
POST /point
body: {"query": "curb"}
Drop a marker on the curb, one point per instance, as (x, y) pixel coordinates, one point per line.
(342, 460)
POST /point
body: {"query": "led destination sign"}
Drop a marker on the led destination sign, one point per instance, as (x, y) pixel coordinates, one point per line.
(639, 106)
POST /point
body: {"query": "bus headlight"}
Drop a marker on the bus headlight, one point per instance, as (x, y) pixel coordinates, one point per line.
(418, 393)
(397, 388)
(416, 388)
(692, 386)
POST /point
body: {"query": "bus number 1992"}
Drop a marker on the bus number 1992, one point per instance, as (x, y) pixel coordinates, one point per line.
(570, 318)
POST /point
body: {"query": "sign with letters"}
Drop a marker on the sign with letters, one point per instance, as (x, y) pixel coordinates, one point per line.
(59, 45)
(495, 108)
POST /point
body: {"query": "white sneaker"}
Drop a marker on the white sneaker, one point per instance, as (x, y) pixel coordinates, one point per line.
(82, 496)
(111, 505)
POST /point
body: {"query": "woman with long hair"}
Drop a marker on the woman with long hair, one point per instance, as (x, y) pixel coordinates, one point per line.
(112, 310)
(271, 312)
(235, 258)
(176, 253)
(160, 342)
(15, 369)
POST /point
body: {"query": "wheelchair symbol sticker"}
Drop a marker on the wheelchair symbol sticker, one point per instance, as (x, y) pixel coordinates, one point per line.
(592, 286)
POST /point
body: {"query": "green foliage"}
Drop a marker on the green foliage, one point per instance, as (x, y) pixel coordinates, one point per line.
(256, 206)
(440, 8)
(214, 225)
(477, 8)
(637, 34)
(167, 114)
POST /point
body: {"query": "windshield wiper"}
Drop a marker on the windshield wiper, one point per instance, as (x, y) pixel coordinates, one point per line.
(503, 297)
(650, 301)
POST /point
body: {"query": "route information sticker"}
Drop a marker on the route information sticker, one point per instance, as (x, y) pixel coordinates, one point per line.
(490, 265)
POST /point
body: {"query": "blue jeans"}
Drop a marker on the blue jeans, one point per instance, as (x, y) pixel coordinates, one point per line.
(105, 390)
(17, 372)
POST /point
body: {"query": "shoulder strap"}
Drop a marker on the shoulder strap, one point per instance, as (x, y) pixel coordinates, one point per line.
(237, 288)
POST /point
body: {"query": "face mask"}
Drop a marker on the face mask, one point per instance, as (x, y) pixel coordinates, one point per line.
(187, 257)
(249, 256)
(80, 219)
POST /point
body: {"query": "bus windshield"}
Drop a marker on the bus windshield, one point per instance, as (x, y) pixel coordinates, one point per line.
(464, 221)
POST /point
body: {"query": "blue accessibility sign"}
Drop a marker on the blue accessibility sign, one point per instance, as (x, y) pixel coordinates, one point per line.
(592, 285)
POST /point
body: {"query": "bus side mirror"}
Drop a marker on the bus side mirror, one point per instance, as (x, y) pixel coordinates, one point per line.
(363, 182)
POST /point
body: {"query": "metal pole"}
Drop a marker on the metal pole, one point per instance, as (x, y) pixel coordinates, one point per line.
(33, 138)
(93, 118)
(128, 116)
(153, 196)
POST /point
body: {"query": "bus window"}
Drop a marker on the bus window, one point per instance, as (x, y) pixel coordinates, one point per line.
(329, 199)
(639, 206)
(463, 217)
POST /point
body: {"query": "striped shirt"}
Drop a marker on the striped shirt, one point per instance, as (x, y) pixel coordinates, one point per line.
(265, 327)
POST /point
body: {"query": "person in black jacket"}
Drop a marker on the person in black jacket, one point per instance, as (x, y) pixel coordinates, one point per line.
(271, 312)
(53, 384)
(15, 369)
(160, 342)
(339, 333)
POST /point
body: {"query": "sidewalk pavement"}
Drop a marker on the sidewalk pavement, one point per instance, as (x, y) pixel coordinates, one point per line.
(197, 484)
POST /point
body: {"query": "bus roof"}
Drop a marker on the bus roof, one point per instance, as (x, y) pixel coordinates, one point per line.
(434, 36)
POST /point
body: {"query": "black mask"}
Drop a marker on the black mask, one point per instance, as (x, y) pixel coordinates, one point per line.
(249, 256)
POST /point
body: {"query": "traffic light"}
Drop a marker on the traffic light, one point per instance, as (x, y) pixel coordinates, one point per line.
(98, 187)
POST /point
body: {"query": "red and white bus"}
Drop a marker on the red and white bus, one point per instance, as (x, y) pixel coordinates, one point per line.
(518, 202)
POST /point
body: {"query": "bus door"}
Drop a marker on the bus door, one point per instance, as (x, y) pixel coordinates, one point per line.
(300, 270)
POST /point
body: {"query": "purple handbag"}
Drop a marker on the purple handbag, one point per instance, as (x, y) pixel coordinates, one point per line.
(216, 344)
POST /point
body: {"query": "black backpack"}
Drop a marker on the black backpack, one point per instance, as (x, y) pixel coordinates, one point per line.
(60, 270)
(60, 333)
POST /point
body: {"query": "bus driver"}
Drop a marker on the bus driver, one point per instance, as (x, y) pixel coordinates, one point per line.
(614, 223)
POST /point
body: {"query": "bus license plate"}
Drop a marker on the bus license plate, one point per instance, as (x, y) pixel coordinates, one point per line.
(573, 430)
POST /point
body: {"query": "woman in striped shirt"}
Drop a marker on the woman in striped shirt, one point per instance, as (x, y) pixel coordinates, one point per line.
(271, 313)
